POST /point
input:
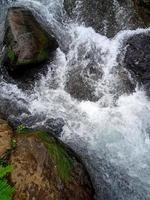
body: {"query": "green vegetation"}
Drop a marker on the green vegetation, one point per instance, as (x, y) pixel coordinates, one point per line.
(25, 62)
(61, 157)
(5, 170)
(10, 54)
(4, 157)
(13, 143)
(42, 55)
(63, 162)
(22, 129)
(6, 190)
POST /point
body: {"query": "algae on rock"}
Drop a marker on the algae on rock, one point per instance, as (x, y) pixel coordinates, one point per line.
(46, 168)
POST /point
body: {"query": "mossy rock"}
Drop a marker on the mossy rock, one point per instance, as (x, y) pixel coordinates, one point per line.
(6, 134)
(27, 43)
(44, 168)
(62, 159)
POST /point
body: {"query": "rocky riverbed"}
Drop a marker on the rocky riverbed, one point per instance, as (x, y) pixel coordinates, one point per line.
(74, 89)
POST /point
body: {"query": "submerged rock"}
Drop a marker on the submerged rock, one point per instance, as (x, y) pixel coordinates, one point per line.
(26, 42)
(81, 83)
(45, 169)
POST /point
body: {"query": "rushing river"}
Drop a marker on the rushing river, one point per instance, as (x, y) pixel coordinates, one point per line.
(112, 134)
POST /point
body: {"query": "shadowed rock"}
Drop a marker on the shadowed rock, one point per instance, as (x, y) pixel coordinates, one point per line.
(137, 59)
(143, 8)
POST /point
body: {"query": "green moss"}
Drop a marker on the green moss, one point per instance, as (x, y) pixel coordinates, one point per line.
(42, 39)
(60, 156)
(63, 161)
(25, 62)
(10, 54)
(43, 55)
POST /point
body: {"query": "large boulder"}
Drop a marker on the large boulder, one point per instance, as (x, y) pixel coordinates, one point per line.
(27, 43)
(137, 58)
(43, 168)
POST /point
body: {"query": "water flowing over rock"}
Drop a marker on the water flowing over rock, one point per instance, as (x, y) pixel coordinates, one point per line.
(26, 42)
(104, 16)
(79, 84)
(137, 59)
(45, 169)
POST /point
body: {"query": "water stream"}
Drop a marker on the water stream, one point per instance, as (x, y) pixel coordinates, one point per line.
(112, 134)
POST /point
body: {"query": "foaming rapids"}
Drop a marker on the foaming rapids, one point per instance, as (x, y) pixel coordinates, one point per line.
(112, 134)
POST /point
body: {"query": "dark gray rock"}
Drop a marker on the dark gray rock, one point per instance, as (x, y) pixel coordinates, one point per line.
(104, 15)
(55, 125)
(143, 9)
(80, 82)
(137, 58)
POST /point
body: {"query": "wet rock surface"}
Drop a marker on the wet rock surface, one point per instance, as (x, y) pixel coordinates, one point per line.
(27, 44)
(79, 85)
(104, 16)
(137, 59)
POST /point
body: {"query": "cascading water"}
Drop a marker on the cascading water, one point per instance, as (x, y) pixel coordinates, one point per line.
(112, 134)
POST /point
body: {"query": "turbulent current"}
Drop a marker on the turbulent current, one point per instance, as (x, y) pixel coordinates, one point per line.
(111, 134)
